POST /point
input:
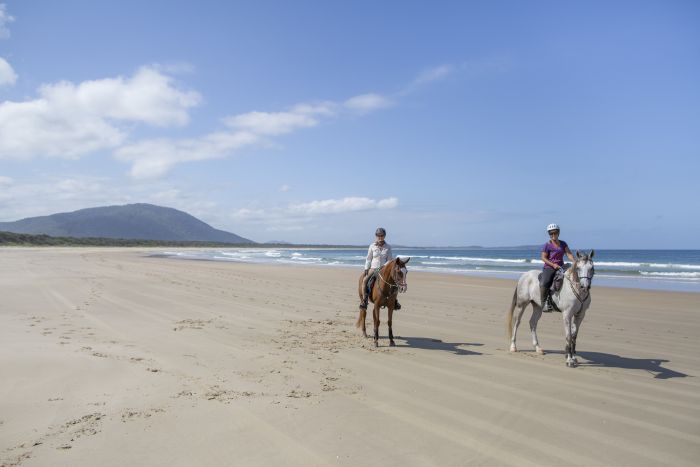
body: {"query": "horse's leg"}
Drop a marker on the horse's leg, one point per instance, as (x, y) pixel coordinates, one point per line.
(536, 315)
(375, 315)
(361, 321)
(578, 319)
(567, 336)
(388, 322)
(513, 347)
(363, 311)
(574, 332)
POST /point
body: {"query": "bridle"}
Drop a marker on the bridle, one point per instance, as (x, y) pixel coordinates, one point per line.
(580, 292)
(401, 286)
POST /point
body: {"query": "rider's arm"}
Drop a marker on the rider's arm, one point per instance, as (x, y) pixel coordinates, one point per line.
(368, 261)
(546, 260)
(389, 256)
(569, 254)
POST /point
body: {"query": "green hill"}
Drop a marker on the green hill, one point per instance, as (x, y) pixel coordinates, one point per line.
(131, 222)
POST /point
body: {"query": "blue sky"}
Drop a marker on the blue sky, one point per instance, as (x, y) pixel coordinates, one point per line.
(448, 123)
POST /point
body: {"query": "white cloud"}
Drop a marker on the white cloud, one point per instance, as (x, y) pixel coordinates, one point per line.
(7, 74)
(284, 188)
(249, 214)
(147, 97)
(326, 109)
(271, 123)
(426, 77)
(433, 74)
(294, 216)
(335, 206)
(367, 102)
(5, 181)
(153, 158)
(69, 120)
(303, 115)
(48, 195)
(5, 18)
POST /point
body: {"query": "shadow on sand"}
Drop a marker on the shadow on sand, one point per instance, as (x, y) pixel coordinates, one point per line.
(606, 360)
(437, 344)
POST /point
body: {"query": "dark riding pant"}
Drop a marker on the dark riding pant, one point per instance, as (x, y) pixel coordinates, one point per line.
(547, 277)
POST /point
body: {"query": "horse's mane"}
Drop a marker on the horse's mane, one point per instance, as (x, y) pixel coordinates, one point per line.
(388, 266)
(573, 271)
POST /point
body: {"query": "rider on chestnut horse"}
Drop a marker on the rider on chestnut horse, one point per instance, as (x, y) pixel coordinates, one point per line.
(378, 255)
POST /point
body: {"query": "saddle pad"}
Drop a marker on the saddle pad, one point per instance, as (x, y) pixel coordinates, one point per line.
(370, 285)
(558, 281)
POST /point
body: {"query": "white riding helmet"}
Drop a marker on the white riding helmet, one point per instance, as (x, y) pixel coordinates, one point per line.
(551, 227)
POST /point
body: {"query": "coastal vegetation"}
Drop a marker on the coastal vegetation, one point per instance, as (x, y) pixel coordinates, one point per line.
(19, 239)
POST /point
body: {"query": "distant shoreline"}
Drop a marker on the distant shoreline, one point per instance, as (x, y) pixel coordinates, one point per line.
(13, 239)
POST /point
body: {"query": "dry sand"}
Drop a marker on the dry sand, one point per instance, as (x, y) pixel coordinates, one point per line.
(112, 358)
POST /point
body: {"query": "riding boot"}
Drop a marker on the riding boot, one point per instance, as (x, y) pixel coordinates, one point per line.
(365, 298)
(397, 305)
(365, 293)
(544, 295)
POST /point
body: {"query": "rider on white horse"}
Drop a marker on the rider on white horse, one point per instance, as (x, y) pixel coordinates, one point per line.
(378, 254)
(553, 257)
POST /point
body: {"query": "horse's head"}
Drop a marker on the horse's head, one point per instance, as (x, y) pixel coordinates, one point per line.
(585, 269)
(399, 274)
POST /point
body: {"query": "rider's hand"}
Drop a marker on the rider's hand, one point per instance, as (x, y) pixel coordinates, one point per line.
(556, 266)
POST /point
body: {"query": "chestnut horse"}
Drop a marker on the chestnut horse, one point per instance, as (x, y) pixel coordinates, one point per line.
(390, 280)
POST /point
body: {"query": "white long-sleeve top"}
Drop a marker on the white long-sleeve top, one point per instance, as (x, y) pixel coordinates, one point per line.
(378, 256)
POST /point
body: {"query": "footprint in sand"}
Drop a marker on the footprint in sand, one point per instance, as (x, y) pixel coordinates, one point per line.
(133, 414)
(226, 395)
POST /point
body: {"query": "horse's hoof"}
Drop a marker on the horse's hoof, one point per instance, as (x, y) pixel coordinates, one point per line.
(376, 344)
(364, 334)
(392, 344)
(513, 349)
(539, 350)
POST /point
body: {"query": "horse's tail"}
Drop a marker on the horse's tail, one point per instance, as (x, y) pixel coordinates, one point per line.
(509, 316)
(363, 313)
(360, 318)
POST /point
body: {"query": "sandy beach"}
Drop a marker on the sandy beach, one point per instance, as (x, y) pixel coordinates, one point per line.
(110, 357)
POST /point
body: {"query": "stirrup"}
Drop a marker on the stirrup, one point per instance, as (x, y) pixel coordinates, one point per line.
(547, 306)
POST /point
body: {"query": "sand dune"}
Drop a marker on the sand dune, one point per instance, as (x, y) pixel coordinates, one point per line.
(110, 357)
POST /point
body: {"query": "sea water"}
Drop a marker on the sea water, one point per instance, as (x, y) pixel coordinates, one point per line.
(648, 269)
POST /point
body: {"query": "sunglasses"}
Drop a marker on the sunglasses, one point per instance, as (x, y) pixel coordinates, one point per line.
(554, 232)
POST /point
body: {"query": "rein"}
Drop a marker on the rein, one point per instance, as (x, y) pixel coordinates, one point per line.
(575, 288)
(391, 286)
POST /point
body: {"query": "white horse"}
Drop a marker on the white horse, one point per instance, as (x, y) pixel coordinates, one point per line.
(573, 300)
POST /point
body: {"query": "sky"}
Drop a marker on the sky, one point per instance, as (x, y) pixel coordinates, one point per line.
(447, 123)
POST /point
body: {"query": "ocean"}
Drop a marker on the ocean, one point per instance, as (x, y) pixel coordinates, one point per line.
(677, 270)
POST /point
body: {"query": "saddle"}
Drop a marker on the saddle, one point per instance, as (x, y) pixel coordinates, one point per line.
(371, 282)
(558, 280)
(370, 287)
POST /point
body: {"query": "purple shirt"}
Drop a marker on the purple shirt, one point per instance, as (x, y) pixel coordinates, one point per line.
(555, 253)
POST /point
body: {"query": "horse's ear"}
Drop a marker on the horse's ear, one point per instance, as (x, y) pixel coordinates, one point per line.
(591, 255)
(578, 254)
(407, 260)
